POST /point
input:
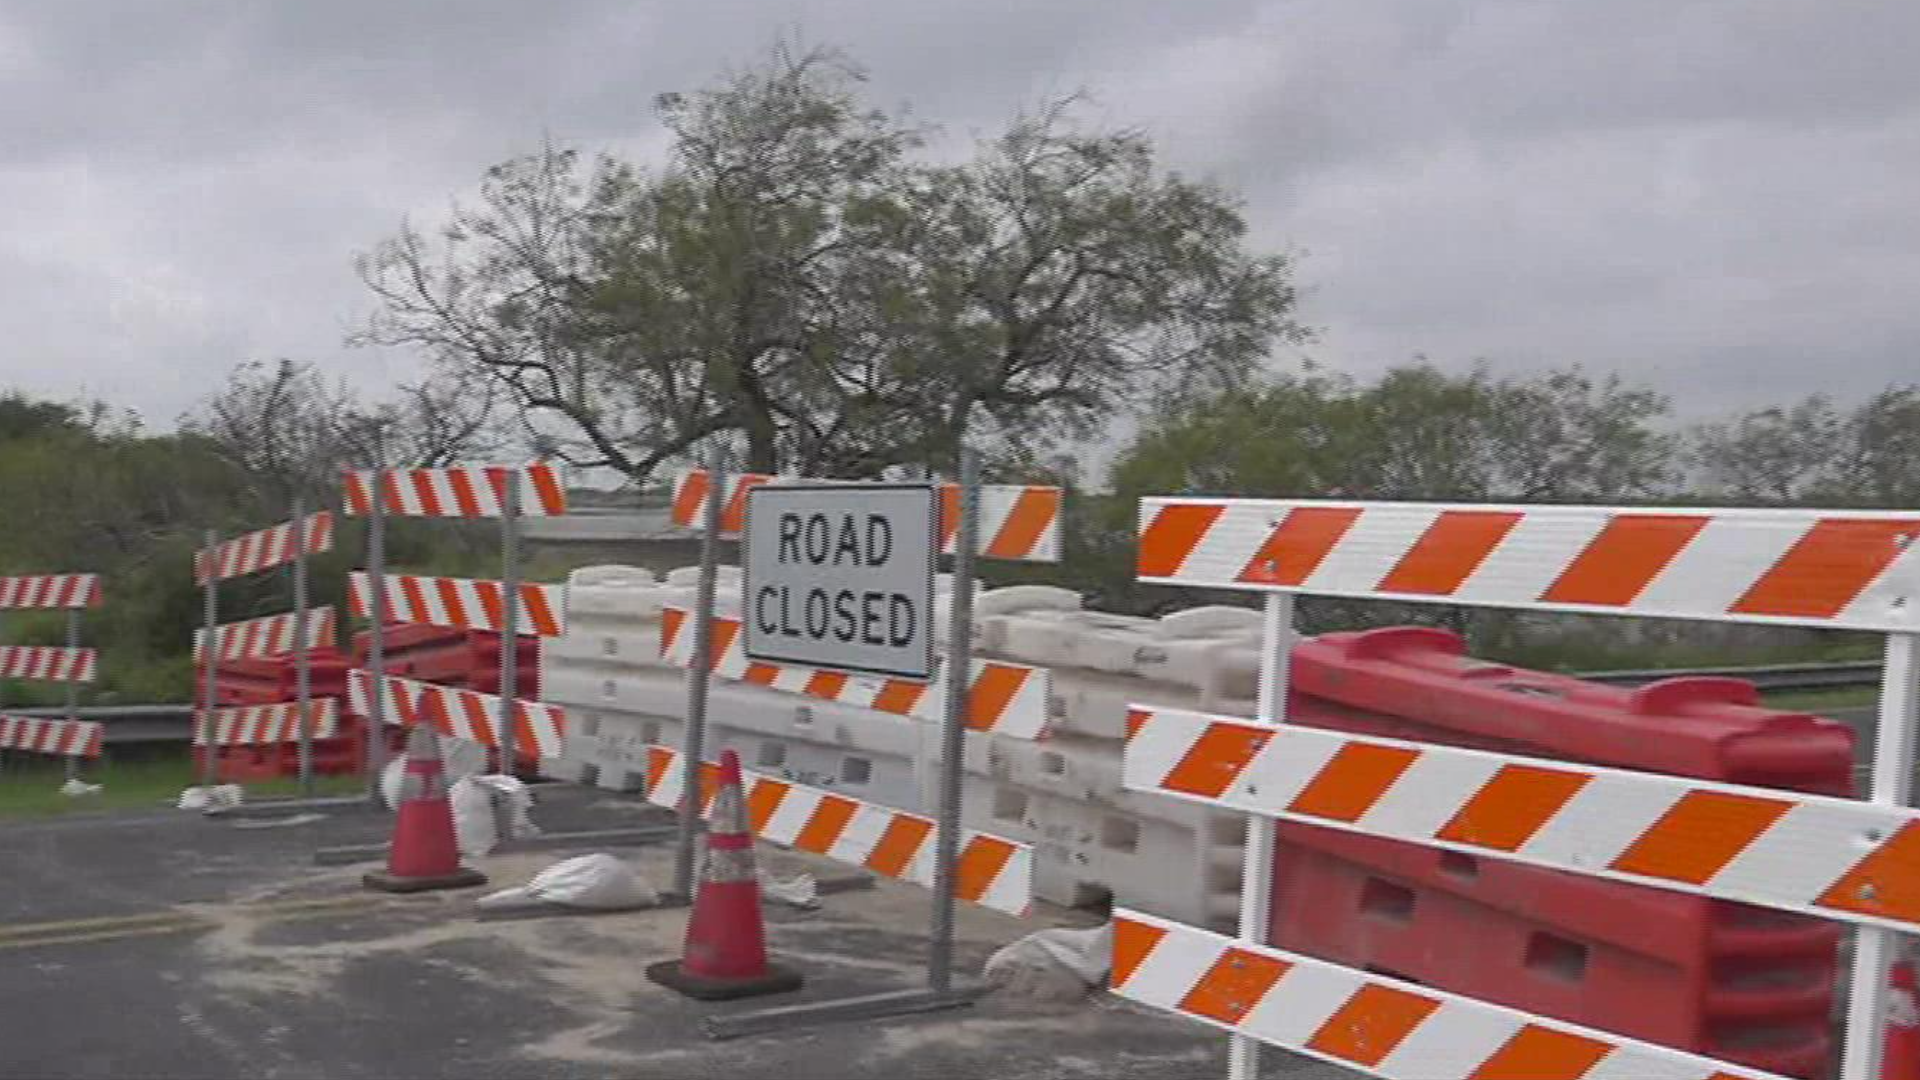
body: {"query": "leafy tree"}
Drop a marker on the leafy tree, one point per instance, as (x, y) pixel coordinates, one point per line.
(1060, 277)
(790, 277)
(1772, 455)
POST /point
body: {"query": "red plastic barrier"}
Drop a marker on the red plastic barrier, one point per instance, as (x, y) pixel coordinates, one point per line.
(1746, 984)
(469, 659)
(266, 680)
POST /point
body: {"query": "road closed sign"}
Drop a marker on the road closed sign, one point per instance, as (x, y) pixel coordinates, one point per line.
(841, 576)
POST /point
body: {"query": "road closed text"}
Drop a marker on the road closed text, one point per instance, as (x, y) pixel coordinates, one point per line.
(842, 578)
(869, 616)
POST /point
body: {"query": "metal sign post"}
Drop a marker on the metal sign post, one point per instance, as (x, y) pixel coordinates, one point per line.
(209, 752)
(1875, 949)
(509, 618)
(1256, 900)
(693, 747)
(302, 669)
(73, 689)
(953, 726)
(940, 992)
(377, 632)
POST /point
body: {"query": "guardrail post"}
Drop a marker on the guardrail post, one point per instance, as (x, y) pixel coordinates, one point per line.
(1892, 785)
(210, 758)
(694, 745)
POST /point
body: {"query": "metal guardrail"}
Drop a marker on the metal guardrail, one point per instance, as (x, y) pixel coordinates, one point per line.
(1771, 677)
(128, 725)
(135, 724)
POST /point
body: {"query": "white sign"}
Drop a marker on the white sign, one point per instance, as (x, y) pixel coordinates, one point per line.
(841, 576)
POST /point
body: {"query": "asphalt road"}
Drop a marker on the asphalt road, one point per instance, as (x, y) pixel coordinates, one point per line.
(178, 946)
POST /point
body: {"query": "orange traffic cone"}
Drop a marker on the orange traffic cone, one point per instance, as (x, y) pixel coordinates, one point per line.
(1900, 1060)
(726, 950)
(424, 855)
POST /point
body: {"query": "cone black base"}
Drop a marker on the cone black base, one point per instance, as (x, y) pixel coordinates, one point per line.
(777, 980)
(463, 878)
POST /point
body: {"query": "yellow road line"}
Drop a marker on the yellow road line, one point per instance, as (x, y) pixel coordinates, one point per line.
(69, 931)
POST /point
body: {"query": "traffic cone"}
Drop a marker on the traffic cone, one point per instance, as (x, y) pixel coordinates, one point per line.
(726, 949)
(1900, 1060)
(423, 855)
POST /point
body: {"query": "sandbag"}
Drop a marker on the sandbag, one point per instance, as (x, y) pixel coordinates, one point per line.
(597, 882)
(1053, 965)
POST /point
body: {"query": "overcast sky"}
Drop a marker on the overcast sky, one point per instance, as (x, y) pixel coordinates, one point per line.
(1716, 197)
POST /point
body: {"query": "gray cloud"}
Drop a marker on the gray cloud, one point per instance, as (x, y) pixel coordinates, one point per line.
(1710, 196)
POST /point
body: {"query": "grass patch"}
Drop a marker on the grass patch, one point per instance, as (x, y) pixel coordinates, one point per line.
(30, 786)
(1819, 701)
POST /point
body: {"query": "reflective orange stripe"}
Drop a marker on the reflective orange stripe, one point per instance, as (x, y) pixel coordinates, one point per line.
(1448, 553)
(686, 502)
(1352, 781)
(1828, 567)
(992, 689)
(1298, 545)
(546, 487)
(1367, 1027)
(1172, 535)
(1214, 761)
(1233, 985)
(1132, 941)
(1698, 835)
(1623, 560)
(898, 844)
(763, 800)
(1537, 1053)
(1033, 511)
(825, 824)
(898, 697)
(1883, 883)
(821, 684)
(1511, 806)
(980, 862)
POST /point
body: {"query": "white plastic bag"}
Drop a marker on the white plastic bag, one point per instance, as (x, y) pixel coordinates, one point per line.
(518, 803)
(1053, 965)
(800, 891)
(474, 831)
(76, 788)
(458, 758)
(212, 798)
(597, 882)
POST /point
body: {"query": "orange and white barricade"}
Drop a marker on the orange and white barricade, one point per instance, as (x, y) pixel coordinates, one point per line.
(991, 871)
(271, 635)
(538, 728)
(1017, 521)
(49, 592)
(1004, 698)
(47, 663)
(459, 491)
(40, 735)
(1843, 859)
(264, 549)
(263, 725)
(462, 603)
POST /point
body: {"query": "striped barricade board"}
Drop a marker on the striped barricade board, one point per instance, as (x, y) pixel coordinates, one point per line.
(263, 549)
(462, 603)
(459, 491)
(39, 735)
(50, 663)
(1387, 1027)
(261, 725)
(1836, 858)
(538, 732)
(1017, 521)
(271, 635)
(1856, 570)
(1006, 699)
(49, 592)
(990, 871)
